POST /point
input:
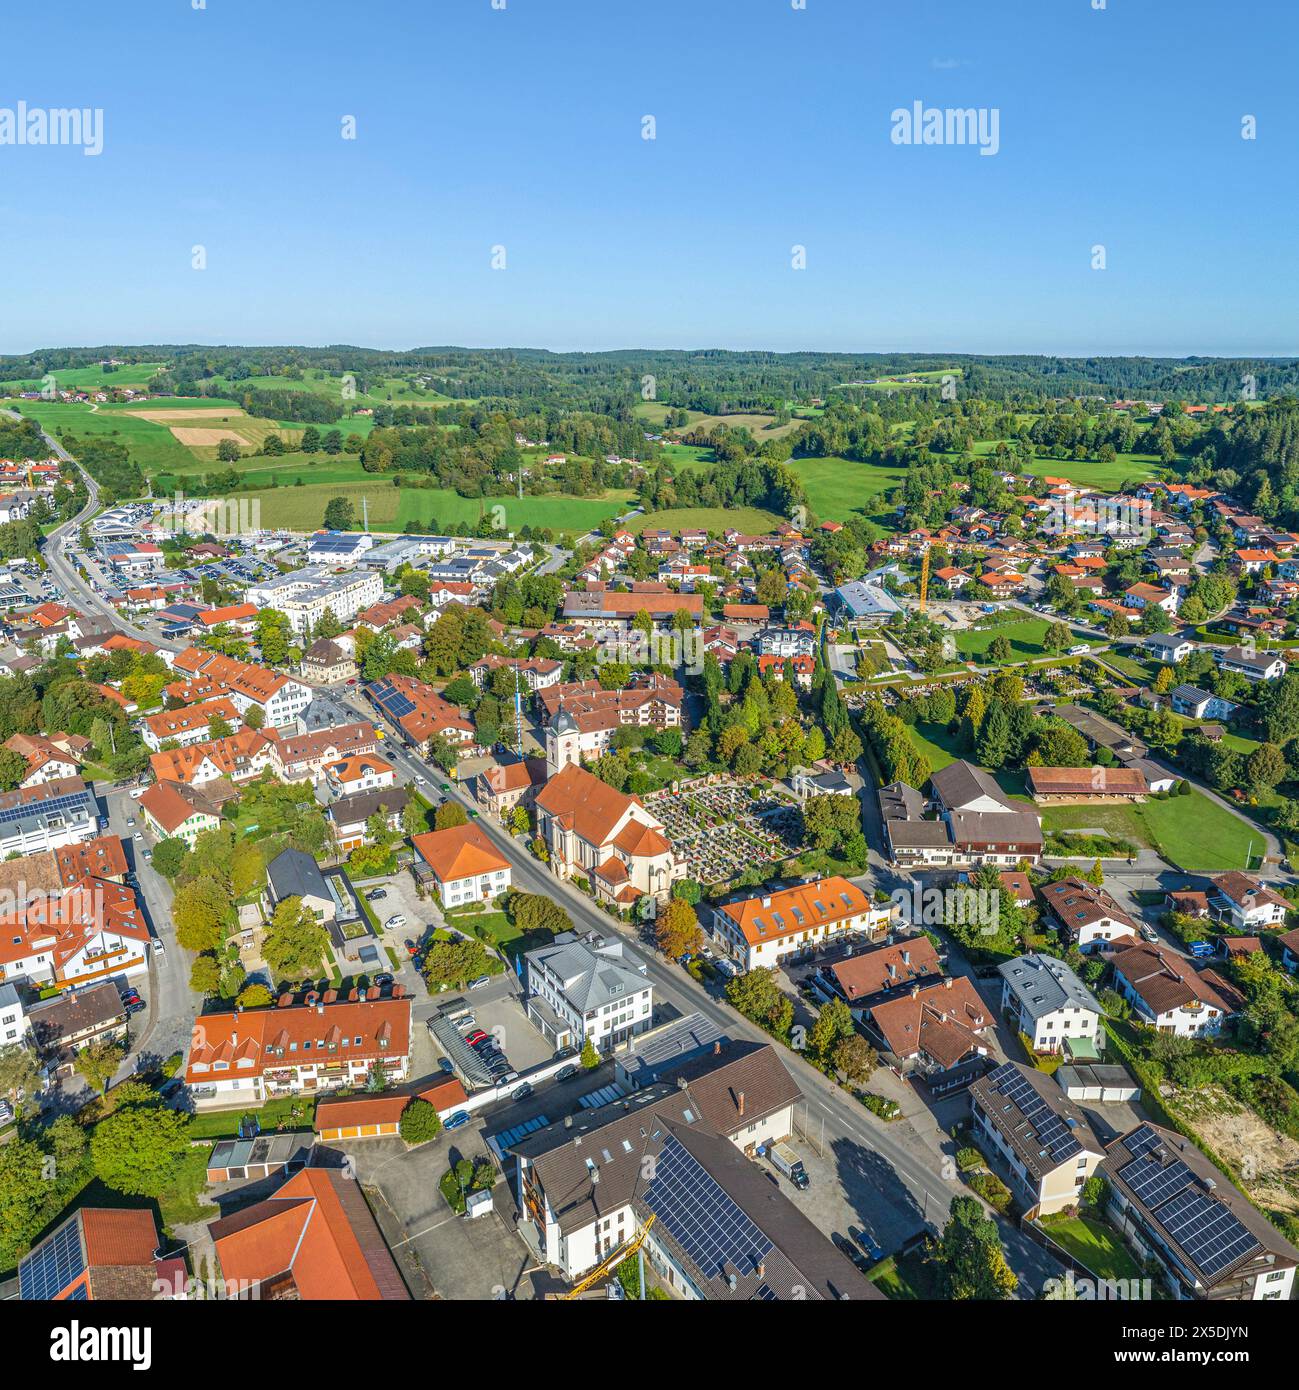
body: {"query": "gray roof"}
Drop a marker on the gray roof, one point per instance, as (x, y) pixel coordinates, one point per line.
(590, 979)
(1033, 1148)
(864, 600)
(294, 874)
(658, 1052)
(992, 827)
(8, 996)
(898, 801)
(360, 806)
(960, 782)
(74, 1012)
(1043, 984)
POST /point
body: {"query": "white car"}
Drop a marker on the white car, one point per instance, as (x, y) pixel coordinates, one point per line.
(137, 836)
(396, 920)
(137, 793)
(1079, 650)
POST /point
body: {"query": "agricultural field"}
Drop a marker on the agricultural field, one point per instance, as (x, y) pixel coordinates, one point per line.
(135, 375)
(687, 456)
(838, 487)
(761, 426)
(751, 520)
(391, 508)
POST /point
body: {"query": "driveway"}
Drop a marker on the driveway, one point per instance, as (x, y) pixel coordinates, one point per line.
(441, 1255)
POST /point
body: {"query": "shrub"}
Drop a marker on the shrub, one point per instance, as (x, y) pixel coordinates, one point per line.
(419, 1123)
(881, 1106)
(993, 1191)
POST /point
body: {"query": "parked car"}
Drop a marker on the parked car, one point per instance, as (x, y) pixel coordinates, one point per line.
(869, 1245)
(566, 1052)
(375, 894)
(523, 1092)
(456, 1121)
(846, 1247)
(396, 920)
(411, 948)
(1201, 949)
(136, 1007)
(158, 948)
(137, 793)
(383, 981)
(480, 982)
(566, 1072)
(1148, 933)
(474, 1038)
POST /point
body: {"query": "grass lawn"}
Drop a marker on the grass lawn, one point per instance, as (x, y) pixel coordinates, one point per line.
(1109, 477)
(1191, 832)
(1094, 1245)
(908, 1278)
(687, 456)
(751, 520)
(942, 748)
(838, 487)
(224, 1124)
(1024, 635)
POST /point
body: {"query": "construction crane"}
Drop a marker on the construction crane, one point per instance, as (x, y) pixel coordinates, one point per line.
(924, 578)
(610, 1263)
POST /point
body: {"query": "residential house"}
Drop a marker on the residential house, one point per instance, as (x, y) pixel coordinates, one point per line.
(1167, 993)
(1050, 1005)
(314, 1239)
(464, 864)
(936, 1032)
(359, 772)
(98, 1255)
(1199, 704)
(1254, 666)
(175, 810)
(1086, 914)
(349, 816)
(1175, 1207)
(881, 973)
(1044, 1143)
(1246, 903)
(75, 1019)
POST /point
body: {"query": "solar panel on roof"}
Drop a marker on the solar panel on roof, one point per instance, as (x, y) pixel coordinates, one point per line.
(701, 1217)
(53, 1265)
(1155, 1182)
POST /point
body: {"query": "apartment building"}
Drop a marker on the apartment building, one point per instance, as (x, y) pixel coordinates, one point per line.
(1051, 1006)
(303, 1047)
(1044, 1143)
(208, 675)
(47, 816)
(305, 595)
(763, 930)
(464, 864)
(585, 987)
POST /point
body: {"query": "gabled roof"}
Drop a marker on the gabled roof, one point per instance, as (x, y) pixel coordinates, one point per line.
(317, 1230)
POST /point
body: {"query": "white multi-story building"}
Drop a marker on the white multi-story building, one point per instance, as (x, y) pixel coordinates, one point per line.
(304, 595)
(583, 988)
(1050, 1003)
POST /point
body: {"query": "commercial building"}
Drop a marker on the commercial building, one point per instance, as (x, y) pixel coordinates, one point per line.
(586, 987)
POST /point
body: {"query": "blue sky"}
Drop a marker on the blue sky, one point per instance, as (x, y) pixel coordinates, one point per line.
(521, 127)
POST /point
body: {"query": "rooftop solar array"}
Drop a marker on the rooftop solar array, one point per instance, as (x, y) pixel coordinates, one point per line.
(53, 806)
(512, 1136)
(1204, 1226)
(53, 1265)
(392, 701)
(701, 1217)
(1051, 1131)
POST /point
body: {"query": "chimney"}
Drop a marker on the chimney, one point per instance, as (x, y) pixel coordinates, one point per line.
(595, 1176)
(915, 991)
(766, 901)
(739, 1102)
(717, 1047)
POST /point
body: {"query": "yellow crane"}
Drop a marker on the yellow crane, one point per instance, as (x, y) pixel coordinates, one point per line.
(609, 1263)
(924, 578)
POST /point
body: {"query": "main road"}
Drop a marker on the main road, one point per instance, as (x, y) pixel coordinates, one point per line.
(925, 1167)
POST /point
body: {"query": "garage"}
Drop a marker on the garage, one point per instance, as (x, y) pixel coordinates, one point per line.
(1099, 1084)
(246, 1160)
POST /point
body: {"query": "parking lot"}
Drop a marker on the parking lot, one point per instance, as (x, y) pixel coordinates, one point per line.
(497, 1012)
(441, 1254)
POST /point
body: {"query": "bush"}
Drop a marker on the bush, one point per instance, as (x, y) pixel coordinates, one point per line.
(419, 1123)
(881, 1106)
(968, 1158)
(993, 1191)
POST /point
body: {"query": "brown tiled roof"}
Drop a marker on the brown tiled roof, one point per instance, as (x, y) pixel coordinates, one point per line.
(886, 967)
(942, 1020)
(1164, 981)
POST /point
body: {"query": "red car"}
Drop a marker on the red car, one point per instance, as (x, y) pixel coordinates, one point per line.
(474, 1038)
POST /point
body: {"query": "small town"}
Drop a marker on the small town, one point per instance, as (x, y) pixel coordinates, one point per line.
(558, 746)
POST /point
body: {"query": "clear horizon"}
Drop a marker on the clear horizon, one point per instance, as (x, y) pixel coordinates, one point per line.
(788, 200)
